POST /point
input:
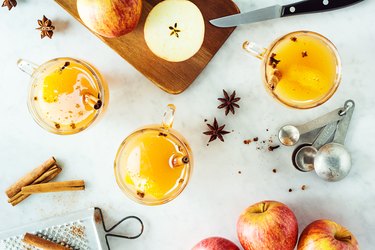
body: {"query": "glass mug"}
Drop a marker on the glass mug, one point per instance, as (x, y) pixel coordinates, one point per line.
(301, 69)
(66, 95)
(153, 165)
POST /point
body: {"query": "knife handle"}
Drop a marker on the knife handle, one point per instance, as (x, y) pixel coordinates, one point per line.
(311, 6)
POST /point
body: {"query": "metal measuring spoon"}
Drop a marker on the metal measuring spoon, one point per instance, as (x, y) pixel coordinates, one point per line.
(333, 161)
(304, 158)
(290, 134)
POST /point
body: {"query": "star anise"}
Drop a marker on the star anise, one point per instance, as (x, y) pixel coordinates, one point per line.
(229, 102)
(9, 3)
(46, 28)
(216, 131)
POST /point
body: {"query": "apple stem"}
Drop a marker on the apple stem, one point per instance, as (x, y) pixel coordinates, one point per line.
(264, 207)
(346, 238)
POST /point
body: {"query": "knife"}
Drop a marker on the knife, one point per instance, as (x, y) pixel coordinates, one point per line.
(276, 11)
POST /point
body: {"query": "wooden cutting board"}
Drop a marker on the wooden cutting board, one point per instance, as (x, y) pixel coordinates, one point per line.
(171, 77)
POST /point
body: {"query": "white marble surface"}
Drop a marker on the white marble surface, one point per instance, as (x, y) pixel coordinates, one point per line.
(216, 194)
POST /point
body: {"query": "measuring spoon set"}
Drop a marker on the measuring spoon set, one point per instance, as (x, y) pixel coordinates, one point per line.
(326, 154)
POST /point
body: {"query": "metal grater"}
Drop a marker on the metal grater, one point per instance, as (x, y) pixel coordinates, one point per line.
(83, 230)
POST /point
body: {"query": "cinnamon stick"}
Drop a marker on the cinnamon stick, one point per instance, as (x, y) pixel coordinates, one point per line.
(180, 161)
(30, 177)
(74, 185)
(275, 79)
(39, 242)
(44, 178)
(92, 101)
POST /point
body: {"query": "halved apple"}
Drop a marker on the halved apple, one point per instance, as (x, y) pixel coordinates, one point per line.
(174, 30)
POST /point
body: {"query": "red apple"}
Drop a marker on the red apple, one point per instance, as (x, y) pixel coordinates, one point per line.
(215, 243)
(326, 234)
(267, 225)
(110, 18)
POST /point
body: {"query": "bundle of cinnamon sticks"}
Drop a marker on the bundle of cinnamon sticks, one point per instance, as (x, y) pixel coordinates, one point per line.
(37, 180)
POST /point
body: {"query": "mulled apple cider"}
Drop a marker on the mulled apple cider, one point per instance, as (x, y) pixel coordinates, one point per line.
(301, 69)
(153, 164)
(66, 95)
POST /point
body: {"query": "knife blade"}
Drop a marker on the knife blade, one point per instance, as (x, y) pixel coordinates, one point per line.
(277, 11)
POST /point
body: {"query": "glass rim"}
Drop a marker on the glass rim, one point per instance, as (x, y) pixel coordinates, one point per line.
(98, 81)
(326, 96)
(129, 192)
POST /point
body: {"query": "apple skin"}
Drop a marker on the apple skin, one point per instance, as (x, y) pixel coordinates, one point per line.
(326, 234)
(267, 225)
(110, 18)
(215, 243)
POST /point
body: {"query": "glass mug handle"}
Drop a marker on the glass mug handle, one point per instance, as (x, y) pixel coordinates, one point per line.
(27, 66)
(168, 116)
(254, 49)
